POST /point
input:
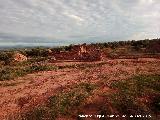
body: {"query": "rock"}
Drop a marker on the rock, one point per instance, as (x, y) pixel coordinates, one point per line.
(19, 57)
(49, 51)
(53, 58)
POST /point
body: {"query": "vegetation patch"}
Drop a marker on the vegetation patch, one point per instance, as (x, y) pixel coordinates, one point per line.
(63, 103)
(9, 72)
(139, 95)
(82, 66)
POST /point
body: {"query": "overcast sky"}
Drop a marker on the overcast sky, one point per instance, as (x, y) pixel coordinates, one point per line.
(73, 21)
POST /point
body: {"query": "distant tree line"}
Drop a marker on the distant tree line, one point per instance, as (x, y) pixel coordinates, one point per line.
(151, 46)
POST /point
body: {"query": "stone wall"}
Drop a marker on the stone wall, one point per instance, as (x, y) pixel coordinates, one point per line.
(79, 52)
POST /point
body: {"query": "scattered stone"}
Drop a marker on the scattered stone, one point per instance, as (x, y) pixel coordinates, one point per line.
(19, 57)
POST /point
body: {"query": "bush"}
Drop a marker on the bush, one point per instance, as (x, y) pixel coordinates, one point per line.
(130, 93)
(155, 104)
(6, 57)
(7, 72)
(37, 52)
(63, 103)
(39, 67)
(154, 47)
(37, 114)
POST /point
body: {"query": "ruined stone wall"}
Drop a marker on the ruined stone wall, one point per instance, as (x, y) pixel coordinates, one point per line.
(79, 52)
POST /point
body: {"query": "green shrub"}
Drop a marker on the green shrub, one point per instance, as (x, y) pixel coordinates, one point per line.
(10, 72)
(39, 67)
(63, 103)
(6, 73)
(127, 99)
(74, 98)
(6, 57)
(37, 52)
(155, 104)
(36, 114)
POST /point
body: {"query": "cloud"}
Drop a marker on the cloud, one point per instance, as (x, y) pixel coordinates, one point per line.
(83, 19)
(75, 17)
(146, 2)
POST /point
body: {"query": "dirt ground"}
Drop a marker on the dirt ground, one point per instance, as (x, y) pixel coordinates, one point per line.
(33, 89)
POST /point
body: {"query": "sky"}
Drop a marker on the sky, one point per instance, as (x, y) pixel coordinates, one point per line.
(63, 22)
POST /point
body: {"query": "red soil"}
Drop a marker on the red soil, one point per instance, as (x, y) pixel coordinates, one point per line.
(32, 90)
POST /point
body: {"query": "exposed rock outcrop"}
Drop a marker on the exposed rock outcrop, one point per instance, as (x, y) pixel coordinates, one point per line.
(19, 57)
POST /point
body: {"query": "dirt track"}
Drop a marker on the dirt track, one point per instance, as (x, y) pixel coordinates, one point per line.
(34, 89)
